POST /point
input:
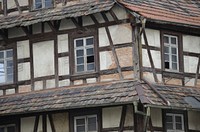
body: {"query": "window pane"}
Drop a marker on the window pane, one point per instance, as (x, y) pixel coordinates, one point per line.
(167, 65)
(10, 63)
(2, 79)
(10, 78)
(9, 53)
(173, 50)
(48, 3)
(178, 126)
(80, 128)
(80, 68)
(92, 124)
(166, 39)
(10, 70)
(38, 5)
(90, 66)
(166, 57)
(89, 41)
(90, 51)
(11, 129)
(1, 65)
(79, 52)
(174, 66)
(173, 40)
(174, 58)
(169, 119)
(1, 55)
(169, 125)
(90, 59)
(79, 43)
(80, 121)
(80, 60)
(166, 49)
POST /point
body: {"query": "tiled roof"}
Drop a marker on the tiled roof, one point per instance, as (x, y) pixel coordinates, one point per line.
(184, 12)
(76, 10)
(180, 97)
(92, 95)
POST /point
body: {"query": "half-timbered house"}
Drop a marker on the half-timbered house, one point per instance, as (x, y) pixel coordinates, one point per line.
(99, 66)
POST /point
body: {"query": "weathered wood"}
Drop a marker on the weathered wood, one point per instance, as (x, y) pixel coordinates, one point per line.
(150, 56)
(44, 123)
(51, 123)
(113, 15)
(56, 61)
(197, 73)
(53, 28)
(36, 123)
(5, 8)
(104, 16)
(123, 117)
(26, 30)
(94, 19)
(114, 53)
(18, 6)
(76, 23)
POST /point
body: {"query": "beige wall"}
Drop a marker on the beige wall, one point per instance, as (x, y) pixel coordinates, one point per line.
(194, 120)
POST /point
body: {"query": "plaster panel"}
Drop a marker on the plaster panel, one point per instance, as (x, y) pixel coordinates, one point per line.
(149, 76)
(156, 117)
(50, 83)
(23, 49)
(40, 125)
(23, 2)
(61, 122)
(125, 56)
(99, 18)
(153, 37)
(193, 120)
(1, 92)
(11, 4)
(15, 32)
(103, 38)
(128, 74)
(38, 85)
(65, 82)
(48, 125)
(24, 88)
(173, 81)
(189, 81)
(106, 60)
(120, 12)
(121, 33)
(87, 21)
(63, 64)
(129, 116)
(66, 24)
(63, 45)
(110, 77)
(91, 80)
(24, 71)
(190, 64)
(37, 28)
(27, 124)
(191, 43)
(43, 58)
(10, 91)
(111, 116)
(78, 82)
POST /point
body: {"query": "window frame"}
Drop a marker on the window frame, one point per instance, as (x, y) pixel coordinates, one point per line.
(33, 7)
(8, 125)
(180, 67)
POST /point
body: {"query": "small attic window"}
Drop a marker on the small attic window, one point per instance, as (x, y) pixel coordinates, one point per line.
(39, 4)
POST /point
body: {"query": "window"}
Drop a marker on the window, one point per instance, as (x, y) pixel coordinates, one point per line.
(84, 54)
(6, 66)
(174, 122)
(171, 52)
(7, 128)
(43, 4)
(86, 123)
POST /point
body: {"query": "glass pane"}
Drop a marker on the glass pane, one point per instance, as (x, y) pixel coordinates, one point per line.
(1, 55)
(92, 124)
(48, 3)
(1, 64)
(79, 43)
(166, 49)
(178, 119)
(89, 41)
(10, 78)
(90, 66)
(90, 59)
(11, 129)
(2, 129)
(174, 58)
(79, 52)
(169, 126)
(166, 39)
(38, 1)
(80, 68)
(80, 128)
(173, 50)
(80, 121)
(10, 70)
(9, 53)
(167, 65)
(90, 51)
(80, 60)
(169, 119)
(38, 5)
(174, 66)
(2, 79)
(173, 40)
(178, 126)
(10, 63)
(166, 57)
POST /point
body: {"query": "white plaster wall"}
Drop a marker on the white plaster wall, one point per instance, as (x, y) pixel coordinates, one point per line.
(120, 12)
(15, 32)
(24, 71)
(103, 38)
(121, 33)
(40, 125)
(99, 18)
(66, 24)
(27, 124)
(63, 44)
(105, 60)
(61, 122)
(156, 117)
(149, 76)
(1, 92)
(11, 3)
(37, 28)
(23, 49)
(190, 64)
(194, 120)
(38, 85)
(129, 116)
(191, 43)
(87, 20)
(43, 58)
(91, 80)
(23, 2)
(10, 91)
(189, 81)
(153, 37)
(63, 64)
(111, 116)
(156, 58)
(65, 82)
(48, 125)
(50, 83)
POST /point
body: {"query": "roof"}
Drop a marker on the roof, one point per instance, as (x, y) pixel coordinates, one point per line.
(180, 97)
(182, 12)
(76, 10)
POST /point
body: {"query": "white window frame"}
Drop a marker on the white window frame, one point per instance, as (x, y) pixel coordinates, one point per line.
(5, 60)
(84, 48)
(170, 46)
(6, 127)
(43, 4)
(86, 122)
(174, 122)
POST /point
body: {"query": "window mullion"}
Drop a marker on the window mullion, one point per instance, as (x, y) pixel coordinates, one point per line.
(86, 124)
(85, 55)
(5, 66)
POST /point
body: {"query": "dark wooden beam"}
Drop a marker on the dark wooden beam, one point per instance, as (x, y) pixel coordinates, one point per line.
(4, 35)
(18, 6)
(123, 117)
(27, 31)
(5, 7)
(53, 28)
(44, 123)
(104, 16)
(94, 19)
(51, 123)
(197, 73)
(36, 123)
(113, 15)
(75, 22)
